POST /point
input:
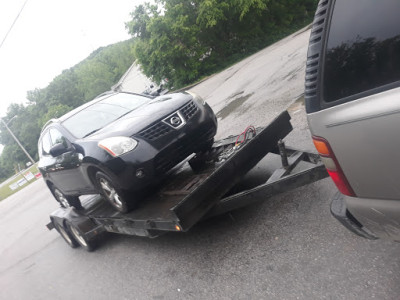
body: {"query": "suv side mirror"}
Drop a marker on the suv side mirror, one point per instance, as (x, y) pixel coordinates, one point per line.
(58, 149)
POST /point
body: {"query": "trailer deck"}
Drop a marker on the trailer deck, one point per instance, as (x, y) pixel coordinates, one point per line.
(198, 188)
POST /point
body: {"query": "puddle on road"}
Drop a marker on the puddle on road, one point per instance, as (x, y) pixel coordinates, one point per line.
(234, 105)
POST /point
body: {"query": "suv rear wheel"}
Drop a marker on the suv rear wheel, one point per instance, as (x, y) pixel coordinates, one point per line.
(66, 201)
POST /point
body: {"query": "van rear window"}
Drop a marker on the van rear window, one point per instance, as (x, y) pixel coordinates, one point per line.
(363, 47)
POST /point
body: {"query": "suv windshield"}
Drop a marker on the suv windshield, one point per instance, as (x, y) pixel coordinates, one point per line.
(102, 113)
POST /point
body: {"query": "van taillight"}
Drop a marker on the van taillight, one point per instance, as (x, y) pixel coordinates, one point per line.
(332, 166)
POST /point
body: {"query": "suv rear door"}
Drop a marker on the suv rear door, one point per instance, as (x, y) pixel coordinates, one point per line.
(353, 91)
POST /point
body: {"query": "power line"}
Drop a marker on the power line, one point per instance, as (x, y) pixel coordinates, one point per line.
(12, 25)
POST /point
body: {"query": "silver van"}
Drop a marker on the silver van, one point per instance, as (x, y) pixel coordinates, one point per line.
(352, 94)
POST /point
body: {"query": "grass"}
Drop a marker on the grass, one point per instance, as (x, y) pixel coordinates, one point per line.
(6, 191)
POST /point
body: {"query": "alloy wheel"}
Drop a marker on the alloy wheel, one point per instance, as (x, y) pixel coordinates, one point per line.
(111, 193)
(61, 198)
(78, 236)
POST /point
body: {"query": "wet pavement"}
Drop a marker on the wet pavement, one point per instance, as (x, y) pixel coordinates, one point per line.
(259, 88)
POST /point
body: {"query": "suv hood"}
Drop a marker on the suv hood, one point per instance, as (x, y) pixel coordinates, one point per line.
(142, 117)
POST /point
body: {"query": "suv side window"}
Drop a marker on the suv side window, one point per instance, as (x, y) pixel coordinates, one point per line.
(56, 137)
(362, 54)
(45, 144)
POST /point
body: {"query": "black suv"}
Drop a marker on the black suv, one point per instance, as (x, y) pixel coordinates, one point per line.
(121, 143)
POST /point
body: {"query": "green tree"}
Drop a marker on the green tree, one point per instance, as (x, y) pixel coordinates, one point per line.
(54, 112)
(185, 40)
(168, 43)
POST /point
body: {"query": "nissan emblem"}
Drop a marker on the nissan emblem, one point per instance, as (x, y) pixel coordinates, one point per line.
(175, 120)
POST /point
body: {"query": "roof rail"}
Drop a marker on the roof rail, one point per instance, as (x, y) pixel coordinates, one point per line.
(104, 94)
(48, 123)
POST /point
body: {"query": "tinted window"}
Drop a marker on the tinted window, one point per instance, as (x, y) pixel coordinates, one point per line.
(102, 113)
(363, 48)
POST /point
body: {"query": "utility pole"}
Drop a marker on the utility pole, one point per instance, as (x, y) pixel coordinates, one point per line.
(18, 142)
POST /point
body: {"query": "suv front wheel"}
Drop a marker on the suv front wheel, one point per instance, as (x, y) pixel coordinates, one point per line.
(118, 198)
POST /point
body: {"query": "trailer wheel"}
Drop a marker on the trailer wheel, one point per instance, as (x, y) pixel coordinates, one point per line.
(118, 198)
(85, 243)
(68, 238)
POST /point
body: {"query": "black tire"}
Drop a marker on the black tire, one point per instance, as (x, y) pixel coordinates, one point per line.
(66, 201)
(207, 146)
(197, 164)
(118, 198)
(81, 239)
(66, 235)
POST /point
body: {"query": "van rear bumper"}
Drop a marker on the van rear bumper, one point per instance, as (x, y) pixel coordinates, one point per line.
(342, 214)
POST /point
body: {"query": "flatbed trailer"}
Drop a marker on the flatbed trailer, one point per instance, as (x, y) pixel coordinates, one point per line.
(203, 186)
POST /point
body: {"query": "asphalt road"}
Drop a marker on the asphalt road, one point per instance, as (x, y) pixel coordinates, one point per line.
(285, 247)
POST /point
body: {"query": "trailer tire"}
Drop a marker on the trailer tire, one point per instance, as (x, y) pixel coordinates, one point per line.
(81, 239)
(66, 235)
(118, 198)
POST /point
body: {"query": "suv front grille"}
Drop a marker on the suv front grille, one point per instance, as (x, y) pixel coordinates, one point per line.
(155, 131)
(178, 151)
(189, 110)
(161, 128)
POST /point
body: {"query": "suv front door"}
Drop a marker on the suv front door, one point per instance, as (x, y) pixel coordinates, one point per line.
(65, 171)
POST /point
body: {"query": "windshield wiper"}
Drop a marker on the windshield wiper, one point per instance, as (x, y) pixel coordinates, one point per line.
(123, 115)
(90, 133)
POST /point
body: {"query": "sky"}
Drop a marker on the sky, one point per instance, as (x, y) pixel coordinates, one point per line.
(51, 36)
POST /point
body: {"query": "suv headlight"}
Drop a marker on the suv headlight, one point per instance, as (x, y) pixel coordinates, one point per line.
(197, 98)
(118, 145)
